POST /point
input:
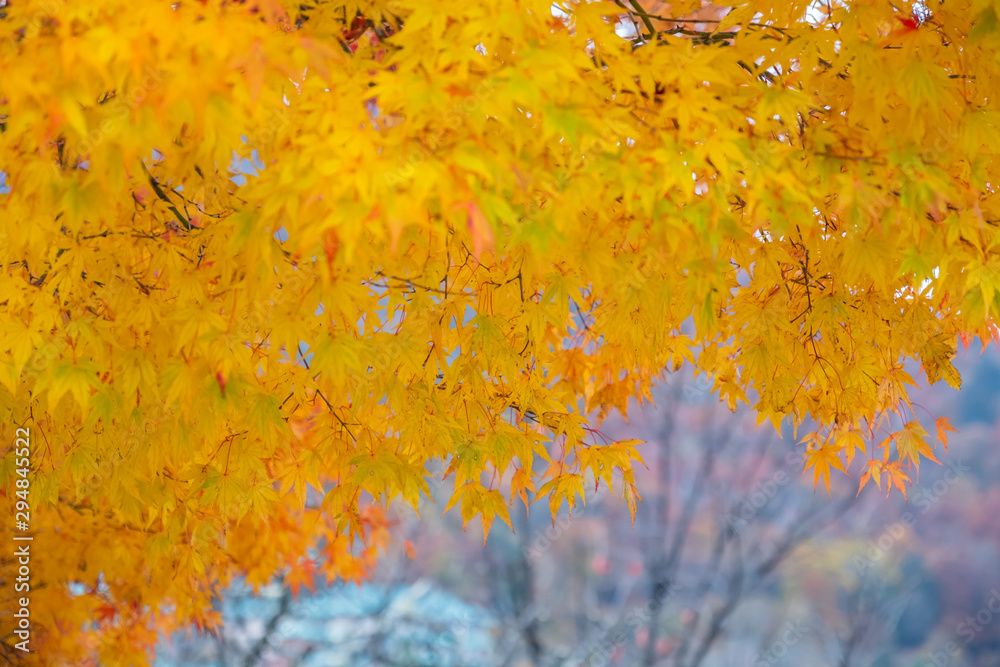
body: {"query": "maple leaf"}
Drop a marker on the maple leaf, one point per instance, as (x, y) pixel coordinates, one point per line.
(896, 477)
(331, 246)
(321, 56)
(821, 459)
(848, 441)
(253, 65)
(943, 425)
(873, 470)
(520, 483)
(274, 13)
(911, 443)
(910, 23)
(632, 498)
(301, 574)
(106, 613)
(469, 264)
(480, 229)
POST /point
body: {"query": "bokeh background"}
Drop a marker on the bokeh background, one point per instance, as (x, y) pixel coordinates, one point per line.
(734, 559)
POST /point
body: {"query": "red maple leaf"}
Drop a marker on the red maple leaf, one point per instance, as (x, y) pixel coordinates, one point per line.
(106, 613)
(911, 23)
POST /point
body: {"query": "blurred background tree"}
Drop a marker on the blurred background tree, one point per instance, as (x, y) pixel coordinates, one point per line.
(734, 559)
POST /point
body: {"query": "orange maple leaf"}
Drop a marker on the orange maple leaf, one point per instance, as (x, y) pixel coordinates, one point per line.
(253, 66)
(331, 245)
(479, 227)
(943, 426)
(873, 471)
(301, 574)
(896, 478)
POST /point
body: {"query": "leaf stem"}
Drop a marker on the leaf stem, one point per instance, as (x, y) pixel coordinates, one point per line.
(644, 16)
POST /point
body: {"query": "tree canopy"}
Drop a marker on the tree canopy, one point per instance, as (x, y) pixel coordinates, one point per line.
(259, 247)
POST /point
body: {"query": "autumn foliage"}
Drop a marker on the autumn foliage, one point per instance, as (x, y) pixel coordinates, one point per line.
(464, 233)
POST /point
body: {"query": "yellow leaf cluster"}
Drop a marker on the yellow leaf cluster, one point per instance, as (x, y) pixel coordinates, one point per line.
(264, 265)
